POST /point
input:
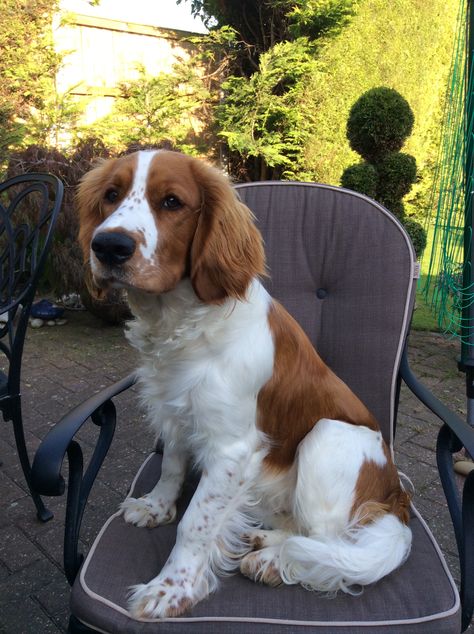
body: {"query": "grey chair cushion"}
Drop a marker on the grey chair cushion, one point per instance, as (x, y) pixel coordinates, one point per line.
(344, 267)
(419, 597)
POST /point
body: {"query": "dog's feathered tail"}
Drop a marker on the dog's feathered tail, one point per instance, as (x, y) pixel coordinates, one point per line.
(362, 555)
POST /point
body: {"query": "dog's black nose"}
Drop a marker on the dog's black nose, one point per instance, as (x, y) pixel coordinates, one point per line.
(113, 247)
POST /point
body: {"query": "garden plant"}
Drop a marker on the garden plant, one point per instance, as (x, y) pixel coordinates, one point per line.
(379, 123)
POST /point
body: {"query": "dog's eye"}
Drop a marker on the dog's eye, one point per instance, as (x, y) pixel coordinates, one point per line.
(111, 195)
(171, 202)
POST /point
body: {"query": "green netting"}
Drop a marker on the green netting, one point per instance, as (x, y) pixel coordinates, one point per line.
(447, 287)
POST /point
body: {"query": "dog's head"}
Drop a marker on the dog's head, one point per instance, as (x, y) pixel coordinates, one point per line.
(150, 219)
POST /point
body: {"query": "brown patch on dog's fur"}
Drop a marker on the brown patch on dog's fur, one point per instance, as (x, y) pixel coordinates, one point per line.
(227, 251)
(302, 391)
(378, 491)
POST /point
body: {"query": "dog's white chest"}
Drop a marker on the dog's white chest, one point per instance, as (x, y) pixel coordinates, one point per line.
(202, 367)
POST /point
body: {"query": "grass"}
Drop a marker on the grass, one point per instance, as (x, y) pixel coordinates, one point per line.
(424, 317)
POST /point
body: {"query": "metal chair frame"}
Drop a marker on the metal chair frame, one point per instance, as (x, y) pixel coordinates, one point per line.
(24, 246)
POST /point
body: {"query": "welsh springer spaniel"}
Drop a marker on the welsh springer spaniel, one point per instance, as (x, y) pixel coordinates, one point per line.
(297, 484)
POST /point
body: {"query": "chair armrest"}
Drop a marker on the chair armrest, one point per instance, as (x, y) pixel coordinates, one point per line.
(454, 434)
(48, 460)
(46, 471)
(460, 428)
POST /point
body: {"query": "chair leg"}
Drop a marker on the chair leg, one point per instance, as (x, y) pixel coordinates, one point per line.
(43, 514)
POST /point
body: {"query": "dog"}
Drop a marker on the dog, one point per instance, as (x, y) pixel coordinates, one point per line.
(297, 485)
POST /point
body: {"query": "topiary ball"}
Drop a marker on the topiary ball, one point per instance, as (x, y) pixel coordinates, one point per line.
(379, 122)
(396, 207)
(417, 234)
(396, 175)
(361, 178)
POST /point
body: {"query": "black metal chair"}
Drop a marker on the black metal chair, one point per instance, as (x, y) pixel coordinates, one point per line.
(345, 268)
(29, 206)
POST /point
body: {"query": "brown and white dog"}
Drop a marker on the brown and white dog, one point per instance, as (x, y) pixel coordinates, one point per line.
(297, 483)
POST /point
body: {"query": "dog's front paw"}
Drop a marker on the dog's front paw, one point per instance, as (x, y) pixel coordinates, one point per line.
(162, 598)
(147, 512)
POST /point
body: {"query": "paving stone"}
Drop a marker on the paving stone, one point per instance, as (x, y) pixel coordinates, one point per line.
(9, 490)
(50, 540)
(54, 601)
(16, 550)
(4, 572)
(27, 616)
(416, 452)
(29, 579)
(403, 433)
(8, 455)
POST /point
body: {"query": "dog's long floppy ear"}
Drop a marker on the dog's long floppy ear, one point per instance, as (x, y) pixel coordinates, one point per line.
(227, 250)
(88, 202)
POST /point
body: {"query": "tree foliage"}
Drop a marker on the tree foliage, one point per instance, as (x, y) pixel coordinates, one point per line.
(175, 109)
(28, 65)
(154, 109)
(265, 114)
(261, 24)
(356, 45)
(316, 19)
(262, 118)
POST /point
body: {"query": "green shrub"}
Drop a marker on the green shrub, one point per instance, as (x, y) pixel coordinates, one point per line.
(417, 234)
(397, 208)
(396, 175)
(362, 178)
(379, 122)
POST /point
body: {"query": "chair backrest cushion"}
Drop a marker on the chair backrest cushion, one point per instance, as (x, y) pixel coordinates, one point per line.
(344, 267)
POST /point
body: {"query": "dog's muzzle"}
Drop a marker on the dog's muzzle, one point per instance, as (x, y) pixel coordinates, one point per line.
(113, 248)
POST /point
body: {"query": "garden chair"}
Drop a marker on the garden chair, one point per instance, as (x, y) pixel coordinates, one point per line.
(345, 268)
(29, 206)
